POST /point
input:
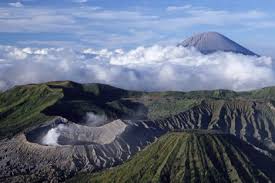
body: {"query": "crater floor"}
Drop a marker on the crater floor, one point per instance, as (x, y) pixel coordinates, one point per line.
(63, 132)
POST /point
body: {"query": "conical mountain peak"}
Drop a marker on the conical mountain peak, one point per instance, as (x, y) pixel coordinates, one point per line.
(210, 42)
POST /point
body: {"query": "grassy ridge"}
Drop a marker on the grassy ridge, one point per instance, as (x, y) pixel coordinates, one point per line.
(21, 107)
(176, 157)
(24, 106)
(190, 157)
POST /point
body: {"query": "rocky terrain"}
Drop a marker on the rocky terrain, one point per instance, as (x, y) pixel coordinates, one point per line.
(242, 122)
(195, 156)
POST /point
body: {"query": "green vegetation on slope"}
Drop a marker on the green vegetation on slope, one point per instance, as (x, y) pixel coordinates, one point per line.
(165, 104)
(264, 93)
(21, 107)
(190, 157)
(176, 157)
(97, 98)
(166, 107)
(25, 106)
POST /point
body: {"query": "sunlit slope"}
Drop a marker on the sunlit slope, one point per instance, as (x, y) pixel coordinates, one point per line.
(26, 106)
(210, 42)
(21, 107)
(249, 116)
(251, 121)
(191, 157)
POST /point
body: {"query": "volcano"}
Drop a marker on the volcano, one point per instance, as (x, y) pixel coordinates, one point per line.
(210, 42)
(192, 157)
(197, 136)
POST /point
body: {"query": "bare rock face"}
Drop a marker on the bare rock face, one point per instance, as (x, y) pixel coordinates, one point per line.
(25, 158)
(210, 42)
(74, 134)
(73, 148)
(22, 161)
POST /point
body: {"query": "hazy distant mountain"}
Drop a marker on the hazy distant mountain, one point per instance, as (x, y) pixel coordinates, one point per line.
(209, 42)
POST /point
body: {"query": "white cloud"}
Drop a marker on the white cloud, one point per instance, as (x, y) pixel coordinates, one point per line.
(18, 54)
(125, 27)
(178, 8)
(67, 19)
(80, 1)
(16, 4)
(92, 119)
(51, 138)
(143, 68)
(208, 17)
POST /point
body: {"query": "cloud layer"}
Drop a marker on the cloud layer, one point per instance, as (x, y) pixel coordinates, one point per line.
(99, 24)
(143, 68)
(16, 4)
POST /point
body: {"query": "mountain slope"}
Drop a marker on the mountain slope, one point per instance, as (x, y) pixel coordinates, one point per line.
(210, 42)
(24, 107)
(251, 121)
(191, 157)
(135, 120)
(21, 107)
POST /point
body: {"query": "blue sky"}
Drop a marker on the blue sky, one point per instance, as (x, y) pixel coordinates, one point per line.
(128, 24)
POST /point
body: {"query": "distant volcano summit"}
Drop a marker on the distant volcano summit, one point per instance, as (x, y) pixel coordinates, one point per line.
(210, 42)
